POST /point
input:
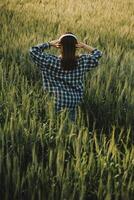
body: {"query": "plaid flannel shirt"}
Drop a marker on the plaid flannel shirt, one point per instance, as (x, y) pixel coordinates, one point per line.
(66, 86)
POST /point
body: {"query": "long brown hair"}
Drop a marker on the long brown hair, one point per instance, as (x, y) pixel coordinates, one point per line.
(68, 60)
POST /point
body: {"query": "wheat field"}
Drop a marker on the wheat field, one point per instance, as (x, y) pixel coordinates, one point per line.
(94, 158)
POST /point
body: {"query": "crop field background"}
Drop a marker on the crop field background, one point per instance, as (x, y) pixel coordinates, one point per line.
(40, 158)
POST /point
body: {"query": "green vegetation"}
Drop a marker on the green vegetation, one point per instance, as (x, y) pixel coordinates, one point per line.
(94, 158)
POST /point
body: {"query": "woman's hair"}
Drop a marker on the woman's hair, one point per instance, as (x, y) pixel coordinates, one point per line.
(68, 60)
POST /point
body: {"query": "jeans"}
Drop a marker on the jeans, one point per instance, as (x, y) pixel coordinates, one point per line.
(71, 113)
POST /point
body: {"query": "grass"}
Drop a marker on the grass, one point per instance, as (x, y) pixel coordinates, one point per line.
(94, 158)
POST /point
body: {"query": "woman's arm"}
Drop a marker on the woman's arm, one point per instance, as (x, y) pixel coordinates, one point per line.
(91, 60)
(37, 54)
(85, 46)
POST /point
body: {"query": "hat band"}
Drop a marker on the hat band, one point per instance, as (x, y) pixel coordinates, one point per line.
(68, 35)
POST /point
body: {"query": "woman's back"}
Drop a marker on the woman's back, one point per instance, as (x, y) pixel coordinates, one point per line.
(65, 83)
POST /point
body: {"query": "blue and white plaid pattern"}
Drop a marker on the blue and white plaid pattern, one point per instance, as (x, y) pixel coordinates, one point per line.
(66, 86)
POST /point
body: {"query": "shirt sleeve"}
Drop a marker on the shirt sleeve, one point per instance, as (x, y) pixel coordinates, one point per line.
(39, 57)
(92, 60)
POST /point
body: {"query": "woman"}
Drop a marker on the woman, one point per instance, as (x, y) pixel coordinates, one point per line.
(63, 75)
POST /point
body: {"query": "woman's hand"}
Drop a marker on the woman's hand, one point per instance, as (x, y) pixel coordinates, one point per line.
(84, 46)
(55, 43)
(80, 45)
